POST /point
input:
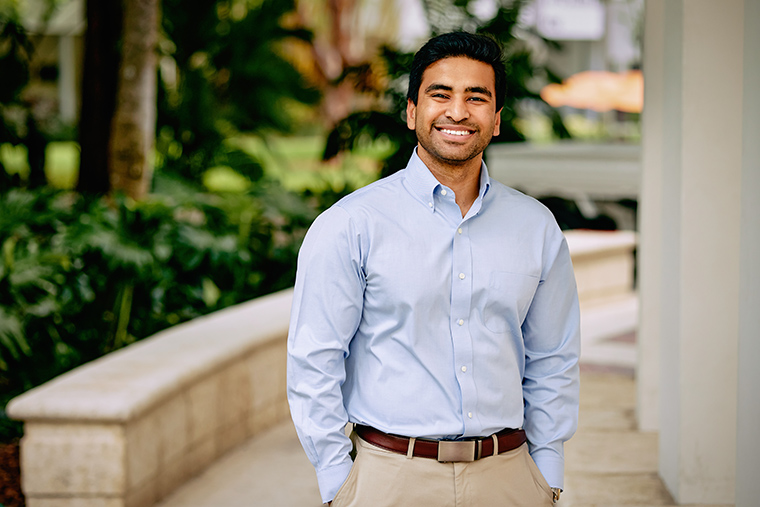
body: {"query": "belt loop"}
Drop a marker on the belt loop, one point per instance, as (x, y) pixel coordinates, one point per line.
(410, 449)
(495, 444)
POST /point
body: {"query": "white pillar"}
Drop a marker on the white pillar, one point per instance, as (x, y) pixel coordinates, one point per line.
(650, 226)
(748, 416)
(692, 252)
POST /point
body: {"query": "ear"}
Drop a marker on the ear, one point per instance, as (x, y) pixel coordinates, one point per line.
(411, 114)
(497, 123)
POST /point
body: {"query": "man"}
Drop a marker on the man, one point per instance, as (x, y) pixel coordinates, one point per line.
(436, 310)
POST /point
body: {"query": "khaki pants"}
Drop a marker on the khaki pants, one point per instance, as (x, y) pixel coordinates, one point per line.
(381, 478)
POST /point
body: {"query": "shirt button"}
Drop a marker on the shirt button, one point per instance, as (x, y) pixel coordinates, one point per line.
(443, 192)
(430, 204)
(459, 230)
(469, 414)
(464, 368)
(461, 276)
(461, 322)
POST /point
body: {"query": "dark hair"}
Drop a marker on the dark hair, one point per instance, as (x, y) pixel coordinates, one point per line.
(482, 48)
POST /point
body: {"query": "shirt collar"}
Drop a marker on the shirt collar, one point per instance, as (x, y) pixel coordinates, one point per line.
(423, 184)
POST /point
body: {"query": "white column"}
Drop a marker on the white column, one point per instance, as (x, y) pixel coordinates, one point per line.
(748, 416)
(697, 216)
(650, 226)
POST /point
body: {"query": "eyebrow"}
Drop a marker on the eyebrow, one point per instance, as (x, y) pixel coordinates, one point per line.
(469, 89)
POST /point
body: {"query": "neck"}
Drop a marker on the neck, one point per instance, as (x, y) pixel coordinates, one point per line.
(463, 179)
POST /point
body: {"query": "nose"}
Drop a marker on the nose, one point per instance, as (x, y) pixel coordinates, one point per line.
(457, 110)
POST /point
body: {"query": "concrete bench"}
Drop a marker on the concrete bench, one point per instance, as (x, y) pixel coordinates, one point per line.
(127, 429)
(603, 263)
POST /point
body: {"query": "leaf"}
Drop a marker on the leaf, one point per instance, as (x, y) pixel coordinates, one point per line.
(12, 335)
(211, 292)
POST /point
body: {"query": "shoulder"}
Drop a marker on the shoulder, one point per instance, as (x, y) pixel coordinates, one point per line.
(372, 194)
(366, 203)
(360, 205)
(508, 200)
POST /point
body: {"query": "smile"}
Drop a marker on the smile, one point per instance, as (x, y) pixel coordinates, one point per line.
(454, 132)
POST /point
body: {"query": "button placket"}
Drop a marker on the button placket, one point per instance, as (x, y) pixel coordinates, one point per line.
(460, 310)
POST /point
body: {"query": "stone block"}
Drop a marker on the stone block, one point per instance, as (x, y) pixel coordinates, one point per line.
(262, 419)
(235, 394)
(282, 408)
(202, 402)
(173, 475)
(144, 495)
(267, 374)
(74, 502)
(72, 459)
(231, 436)
(604, 276)
(143, 449)
(173, 422)
(200, 455)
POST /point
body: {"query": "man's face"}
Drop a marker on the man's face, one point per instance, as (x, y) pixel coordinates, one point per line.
(455, 116)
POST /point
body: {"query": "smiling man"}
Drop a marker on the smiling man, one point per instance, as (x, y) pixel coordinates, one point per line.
(436, 311)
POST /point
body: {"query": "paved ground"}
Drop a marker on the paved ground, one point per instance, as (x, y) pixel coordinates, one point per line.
(608, 462)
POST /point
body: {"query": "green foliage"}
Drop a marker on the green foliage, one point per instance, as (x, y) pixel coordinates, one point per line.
(443, 16)
(15, 53)
(230, 76)
(80, 277)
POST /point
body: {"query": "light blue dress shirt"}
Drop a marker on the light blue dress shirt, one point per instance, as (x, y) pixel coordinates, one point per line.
(418, 322)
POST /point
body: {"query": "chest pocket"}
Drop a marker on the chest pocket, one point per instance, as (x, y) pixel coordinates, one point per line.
(508, 299)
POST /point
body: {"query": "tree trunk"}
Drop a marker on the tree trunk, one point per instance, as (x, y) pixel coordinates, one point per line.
(134, 121)
(101, 69)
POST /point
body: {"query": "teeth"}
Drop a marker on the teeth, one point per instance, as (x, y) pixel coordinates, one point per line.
(455, 132)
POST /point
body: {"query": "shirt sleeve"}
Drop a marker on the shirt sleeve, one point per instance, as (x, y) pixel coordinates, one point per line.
(551, 332)
(327, 308)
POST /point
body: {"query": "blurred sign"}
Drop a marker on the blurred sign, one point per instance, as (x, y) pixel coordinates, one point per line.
(570, 19)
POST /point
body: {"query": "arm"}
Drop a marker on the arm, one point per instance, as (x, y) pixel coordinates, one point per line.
(327, 308)
(552, 348)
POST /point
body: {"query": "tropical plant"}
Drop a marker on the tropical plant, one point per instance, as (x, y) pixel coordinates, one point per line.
(80, 277)
(224, 72)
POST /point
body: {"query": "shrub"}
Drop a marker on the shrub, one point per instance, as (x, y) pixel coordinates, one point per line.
(80, 277)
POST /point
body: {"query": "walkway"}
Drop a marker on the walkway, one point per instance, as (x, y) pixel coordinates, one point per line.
(608, 463)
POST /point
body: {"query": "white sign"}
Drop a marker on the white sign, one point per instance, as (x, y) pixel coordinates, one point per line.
(570, 19)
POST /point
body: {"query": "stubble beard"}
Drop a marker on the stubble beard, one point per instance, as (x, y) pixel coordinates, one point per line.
(425, 138)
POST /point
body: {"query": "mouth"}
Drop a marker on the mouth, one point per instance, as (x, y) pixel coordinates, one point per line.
(454, 130)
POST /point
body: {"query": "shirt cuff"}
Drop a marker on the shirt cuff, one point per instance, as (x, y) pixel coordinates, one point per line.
(551, 467)
(331, 479)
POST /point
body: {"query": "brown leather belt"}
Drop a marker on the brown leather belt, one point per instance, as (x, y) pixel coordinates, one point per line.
(444, 450)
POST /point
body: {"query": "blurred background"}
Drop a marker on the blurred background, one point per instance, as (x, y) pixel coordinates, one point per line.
(159, 161)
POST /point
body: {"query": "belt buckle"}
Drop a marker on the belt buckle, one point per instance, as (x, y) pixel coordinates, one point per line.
(461, 450)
